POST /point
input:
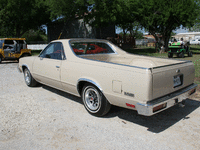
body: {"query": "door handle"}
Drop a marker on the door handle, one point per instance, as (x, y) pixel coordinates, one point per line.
(57, 66)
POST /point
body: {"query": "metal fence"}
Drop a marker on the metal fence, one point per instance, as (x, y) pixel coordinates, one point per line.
(36, 46)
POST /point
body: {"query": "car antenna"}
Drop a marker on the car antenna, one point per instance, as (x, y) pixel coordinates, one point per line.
(60, 35)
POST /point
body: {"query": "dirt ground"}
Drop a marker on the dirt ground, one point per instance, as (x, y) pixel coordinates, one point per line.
(45, 118)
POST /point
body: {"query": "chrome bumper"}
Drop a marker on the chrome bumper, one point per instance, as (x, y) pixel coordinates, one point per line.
(169, 100)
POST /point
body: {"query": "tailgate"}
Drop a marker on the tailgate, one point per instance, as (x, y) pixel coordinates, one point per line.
(168, 79)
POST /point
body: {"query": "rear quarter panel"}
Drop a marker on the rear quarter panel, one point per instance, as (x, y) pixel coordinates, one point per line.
(129, 79)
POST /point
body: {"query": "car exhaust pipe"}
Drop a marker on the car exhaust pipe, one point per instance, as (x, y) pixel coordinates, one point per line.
(182, 104)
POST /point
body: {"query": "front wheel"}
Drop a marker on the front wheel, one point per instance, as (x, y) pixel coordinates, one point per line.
(29, 80)
(170, 55)
(94, 101)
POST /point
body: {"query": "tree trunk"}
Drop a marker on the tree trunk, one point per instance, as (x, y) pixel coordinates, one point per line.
(18, 30)
(166, 43)
(157, 45)
(124, 36)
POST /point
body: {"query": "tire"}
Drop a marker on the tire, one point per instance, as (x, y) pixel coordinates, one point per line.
(0, 59)
(170, 55)
(181, 55)
(94, 101)
(29, 80)
(190, 54)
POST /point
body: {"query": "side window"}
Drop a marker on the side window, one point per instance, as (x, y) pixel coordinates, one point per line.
(53, 51)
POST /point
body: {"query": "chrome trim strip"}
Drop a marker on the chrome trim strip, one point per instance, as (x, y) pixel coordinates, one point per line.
(118, 64)
(24, 65)
(171, 64)
(147, 109)
(90, 81)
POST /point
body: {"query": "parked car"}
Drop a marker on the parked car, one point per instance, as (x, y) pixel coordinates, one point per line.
(13, 49)
(111, 77)
(195, 41)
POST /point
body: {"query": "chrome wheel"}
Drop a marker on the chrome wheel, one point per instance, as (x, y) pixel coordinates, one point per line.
(92, 99)
(27, 77)
(30, 81)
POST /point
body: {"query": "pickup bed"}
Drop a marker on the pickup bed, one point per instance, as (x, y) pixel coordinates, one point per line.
(104, 75)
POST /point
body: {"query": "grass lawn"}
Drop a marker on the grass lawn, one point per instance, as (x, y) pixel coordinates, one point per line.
(35, 52)
(195, 59)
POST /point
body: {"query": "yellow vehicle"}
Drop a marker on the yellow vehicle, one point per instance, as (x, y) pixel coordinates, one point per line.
(13, 49)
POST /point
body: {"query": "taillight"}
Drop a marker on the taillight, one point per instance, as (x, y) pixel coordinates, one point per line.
(130, 105)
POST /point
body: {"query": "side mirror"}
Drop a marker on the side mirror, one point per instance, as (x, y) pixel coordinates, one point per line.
(47, 56)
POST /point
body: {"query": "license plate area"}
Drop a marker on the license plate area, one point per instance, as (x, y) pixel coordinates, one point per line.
(178, 80)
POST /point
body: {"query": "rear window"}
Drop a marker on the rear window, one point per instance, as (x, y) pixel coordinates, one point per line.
(85, 48)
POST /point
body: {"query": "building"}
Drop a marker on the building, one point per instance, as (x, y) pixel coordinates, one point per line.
(78, 29)
(187, 36)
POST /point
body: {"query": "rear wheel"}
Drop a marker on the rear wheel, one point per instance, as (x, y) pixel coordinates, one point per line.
(190, 54)
(0, 59)
(29, 80)
(170, 55)
(181, 55)
(94, 101)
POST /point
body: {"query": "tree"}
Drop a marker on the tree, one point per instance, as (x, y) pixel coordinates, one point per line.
(19, 16)
(195, 28)
(161, 16)
(32, 37)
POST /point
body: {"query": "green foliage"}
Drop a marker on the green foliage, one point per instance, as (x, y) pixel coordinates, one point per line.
(34, 36)
(69, 9)
(161, 16)
(19, 16)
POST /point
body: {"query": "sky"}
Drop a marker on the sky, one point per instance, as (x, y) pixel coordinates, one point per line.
(180, 30)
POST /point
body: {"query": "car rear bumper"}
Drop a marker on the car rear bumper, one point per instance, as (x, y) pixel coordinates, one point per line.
(165, 102)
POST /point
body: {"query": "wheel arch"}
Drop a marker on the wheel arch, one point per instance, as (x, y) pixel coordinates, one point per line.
(24, 66)
(82, 81)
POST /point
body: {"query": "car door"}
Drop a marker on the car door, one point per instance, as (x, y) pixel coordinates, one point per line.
(46, 67)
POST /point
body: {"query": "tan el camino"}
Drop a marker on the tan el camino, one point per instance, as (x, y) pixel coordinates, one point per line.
(104, 75)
